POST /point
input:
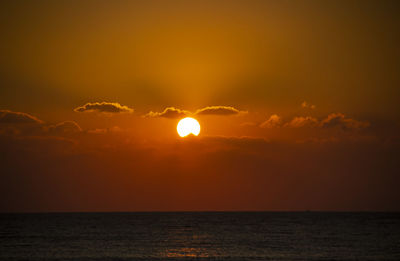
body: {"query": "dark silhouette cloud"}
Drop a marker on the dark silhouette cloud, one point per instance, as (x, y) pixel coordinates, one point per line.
(24, 124)
(173, 113)
(333, 120)
(169, 112)
(11, 117)
(219, 110)
(339, 120)
(19, 123)
(106, 107)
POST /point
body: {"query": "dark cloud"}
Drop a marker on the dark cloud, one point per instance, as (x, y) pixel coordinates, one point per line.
(339, 120)
(11, 117)
(219, 110)
(173, 113)
(273, 122)
(106, 107)
(19, 123)
(64, 128)
(333, 120)
(170, 112)
(23, 124)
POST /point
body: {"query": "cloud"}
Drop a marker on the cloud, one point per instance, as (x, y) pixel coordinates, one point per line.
(169, 112)
(307, 105)
(339, 120)
(106, 107)
(19, 123)
(334, 121)
(11, 117)
(24, 124)
(298, 122)
(173, 113)
(219, 110)
(273, 122)
(65, 127)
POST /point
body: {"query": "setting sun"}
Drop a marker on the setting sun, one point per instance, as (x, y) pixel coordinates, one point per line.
(188, 126)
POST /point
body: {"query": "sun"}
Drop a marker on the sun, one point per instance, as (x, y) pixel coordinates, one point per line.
(188, 126)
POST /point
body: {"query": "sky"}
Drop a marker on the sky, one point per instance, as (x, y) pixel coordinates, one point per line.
(298, 103)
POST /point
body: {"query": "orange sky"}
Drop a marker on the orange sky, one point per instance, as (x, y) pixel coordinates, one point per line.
(297, 101)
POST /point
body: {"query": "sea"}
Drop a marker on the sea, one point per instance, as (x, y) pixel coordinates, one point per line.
(200, 236)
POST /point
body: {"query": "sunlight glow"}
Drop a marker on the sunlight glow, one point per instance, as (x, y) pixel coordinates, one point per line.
(188, 126)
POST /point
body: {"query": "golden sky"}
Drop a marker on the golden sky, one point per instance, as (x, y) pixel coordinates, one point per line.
(298, 103)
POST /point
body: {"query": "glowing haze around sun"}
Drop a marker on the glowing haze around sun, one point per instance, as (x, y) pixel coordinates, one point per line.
(188, 126)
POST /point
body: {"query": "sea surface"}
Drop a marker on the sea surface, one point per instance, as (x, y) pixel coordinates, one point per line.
(200, 236)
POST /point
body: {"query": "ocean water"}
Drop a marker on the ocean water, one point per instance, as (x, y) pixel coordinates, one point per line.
(200, 236)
